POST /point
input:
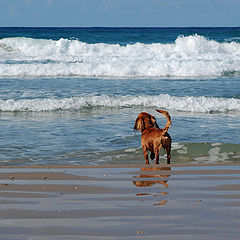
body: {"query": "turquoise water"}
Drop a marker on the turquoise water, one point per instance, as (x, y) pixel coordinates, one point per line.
(71, 95)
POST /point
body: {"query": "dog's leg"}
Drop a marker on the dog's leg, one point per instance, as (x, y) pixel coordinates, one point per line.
(145, 154)
(157, 154)
(168, 150)
(157, 158)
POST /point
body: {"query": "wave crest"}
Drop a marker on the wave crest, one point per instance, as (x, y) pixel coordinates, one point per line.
(191, 56)
(186, 104)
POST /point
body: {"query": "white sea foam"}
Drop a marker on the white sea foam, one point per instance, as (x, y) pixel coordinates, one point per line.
(191, 56)
(186, 104)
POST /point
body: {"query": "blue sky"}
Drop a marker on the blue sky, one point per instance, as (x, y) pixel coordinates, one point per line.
(155, 13)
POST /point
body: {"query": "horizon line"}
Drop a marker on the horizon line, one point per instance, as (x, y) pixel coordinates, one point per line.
(119, 26)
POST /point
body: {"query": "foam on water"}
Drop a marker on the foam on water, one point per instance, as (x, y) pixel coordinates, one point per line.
(191, 56)
(186, 104)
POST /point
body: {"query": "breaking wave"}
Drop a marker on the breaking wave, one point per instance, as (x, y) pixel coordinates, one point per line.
(186, 104)
(189, 56)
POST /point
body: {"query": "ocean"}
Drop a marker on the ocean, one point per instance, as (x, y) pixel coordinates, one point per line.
(71, 95)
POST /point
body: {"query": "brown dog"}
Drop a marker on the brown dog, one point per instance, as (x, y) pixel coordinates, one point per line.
(153, 138)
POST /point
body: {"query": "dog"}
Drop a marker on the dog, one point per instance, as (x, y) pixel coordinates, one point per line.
(153, 138)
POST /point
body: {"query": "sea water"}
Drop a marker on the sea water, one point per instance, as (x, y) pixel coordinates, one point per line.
(71, 95)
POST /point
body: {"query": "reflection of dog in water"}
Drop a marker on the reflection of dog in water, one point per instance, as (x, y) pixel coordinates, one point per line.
(153, 138)
(149, 183)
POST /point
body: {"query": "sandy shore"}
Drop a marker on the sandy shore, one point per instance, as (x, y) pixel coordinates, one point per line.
(120, 202)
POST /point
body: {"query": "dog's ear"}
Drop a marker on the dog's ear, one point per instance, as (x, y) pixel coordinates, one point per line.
(139, 124)
(154, 122)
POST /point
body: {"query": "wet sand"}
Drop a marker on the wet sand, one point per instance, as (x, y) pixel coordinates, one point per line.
(120, 202)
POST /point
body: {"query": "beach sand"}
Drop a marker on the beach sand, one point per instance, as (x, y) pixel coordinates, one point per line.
(120, 202)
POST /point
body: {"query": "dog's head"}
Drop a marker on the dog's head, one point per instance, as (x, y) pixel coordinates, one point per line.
(144, 121)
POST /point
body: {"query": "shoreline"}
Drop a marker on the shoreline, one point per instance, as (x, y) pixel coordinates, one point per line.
(157, 167)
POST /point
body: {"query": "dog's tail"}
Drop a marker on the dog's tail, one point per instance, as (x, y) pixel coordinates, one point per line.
(167, 115)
